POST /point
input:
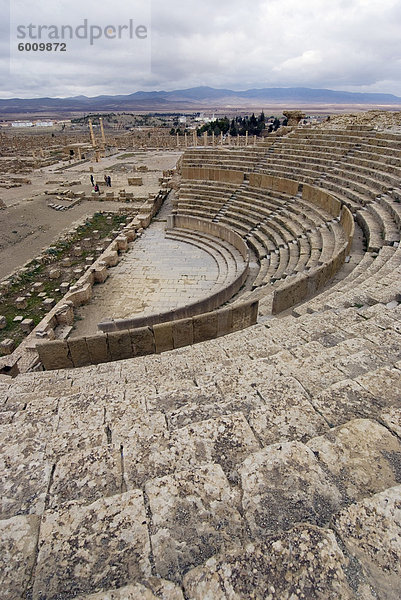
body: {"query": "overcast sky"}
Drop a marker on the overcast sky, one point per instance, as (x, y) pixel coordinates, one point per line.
(351, 45)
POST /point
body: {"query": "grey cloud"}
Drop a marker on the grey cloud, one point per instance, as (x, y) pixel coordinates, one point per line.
(352, 44)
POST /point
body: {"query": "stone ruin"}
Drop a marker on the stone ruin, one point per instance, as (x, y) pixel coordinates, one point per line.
(261, 464)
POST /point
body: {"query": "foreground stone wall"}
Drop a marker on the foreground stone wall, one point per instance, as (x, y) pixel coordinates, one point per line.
(160, 337)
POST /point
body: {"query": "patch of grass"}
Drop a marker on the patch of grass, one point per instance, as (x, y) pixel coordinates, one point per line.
(21, 284)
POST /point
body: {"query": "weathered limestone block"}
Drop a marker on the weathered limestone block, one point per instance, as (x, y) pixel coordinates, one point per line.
(142, 341)
(24, 470)
(38, 286)
(305, 562)
(97, 348)
(119, 344)
(81, 294)
(135, 431)
(244, 315)
(86, 476)
(194, 515)
(224, 321)
(54, 355)
(205, 327)
(3, 322)
(135, 181)
(151, 589)
(392, 418)
(80, 424)
(78, 352)
(64, 287)
(86, 548)
(21, 302)
(284, 484)
(290, 293)
(361, 455)
(27, 325)
(65, 314)
(111, 258)
(226, 440)
(287, 414)
(54, 273)
(122, 243)
(384, 382)
(163, 335)
(183, 334)
(48, 303)
(7, 346)
(371, 531)
(18, 539)
(346, 400)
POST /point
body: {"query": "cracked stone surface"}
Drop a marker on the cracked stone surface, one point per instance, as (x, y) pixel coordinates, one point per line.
(284, 484)
(362, 456)
(371, 531)
(86, 476)
(194, 515)
(24, 470)
(18, 539)
(226, 440)
(150, 589)
(87, 548)
(305, 563)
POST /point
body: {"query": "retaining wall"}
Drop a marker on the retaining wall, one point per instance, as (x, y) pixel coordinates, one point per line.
(160, 337)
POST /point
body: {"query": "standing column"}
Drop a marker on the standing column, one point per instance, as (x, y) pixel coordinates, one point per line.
(91, 133)
(178, 141)
(195, 140)
(221, 138)
(213, 138)
(246, 138)
(186, 139)
(205, 138)
(102, 130)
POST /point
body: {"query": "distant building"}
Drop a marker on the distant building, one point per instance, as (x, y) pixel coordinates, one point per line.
(22, 124)
(44, 124)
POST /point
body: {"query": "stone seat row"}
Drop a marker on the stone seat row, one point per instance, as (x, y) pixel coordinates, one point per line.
(205, 453)
(228, 258)
(375, 279)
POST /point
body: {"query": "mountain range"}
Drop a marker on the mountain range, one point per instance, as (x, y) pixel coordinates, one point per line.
(195, 98)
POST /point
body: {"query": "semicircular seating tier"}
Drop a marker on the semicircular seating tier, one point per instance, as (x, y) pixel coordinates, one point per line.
(282, 206)
(261, 464)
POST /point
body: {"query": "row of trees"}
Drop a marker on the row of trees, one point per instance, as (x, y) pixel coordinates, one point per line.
(237, 126)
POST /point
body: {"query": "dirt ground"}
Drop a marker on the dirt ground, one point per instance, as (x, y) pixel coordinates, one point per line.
(28, 223)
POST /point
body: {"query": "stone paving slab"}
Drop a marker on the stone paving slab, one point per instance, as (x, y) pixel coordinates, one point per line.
(18, 539)
(371, 531)
(89, 548)
(304, 563)
(285, 484)
(194, 515)
(362, 456)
